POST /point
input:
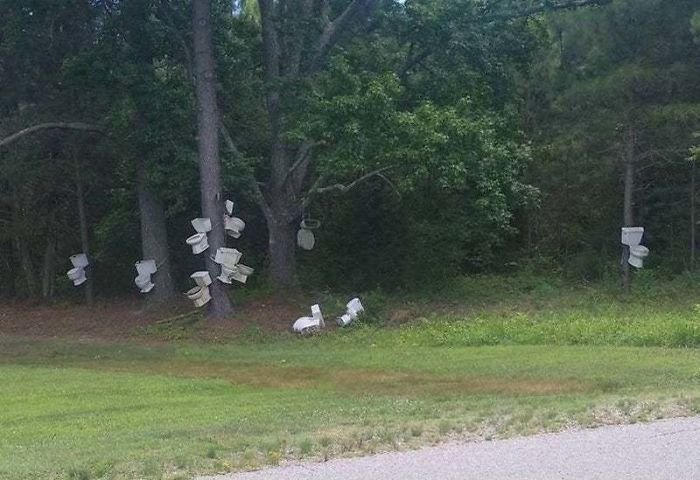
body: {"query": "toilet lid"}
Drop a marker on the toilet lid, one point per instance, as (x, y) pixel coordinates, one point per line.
(306, 239)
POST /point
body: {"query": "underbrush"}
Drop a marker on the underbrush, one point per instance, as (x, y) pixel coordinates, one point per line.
(532, 310)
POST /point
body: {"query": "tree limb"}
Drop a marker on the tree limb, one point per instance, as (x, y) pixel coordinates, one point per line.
(414, 59)
(252, 182)
(332, 30)
(344, 188)
(543, 7)
(86, 127)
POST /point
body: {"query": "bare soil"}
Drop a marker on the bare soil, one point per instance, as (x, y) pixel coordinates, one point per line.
(128, 318)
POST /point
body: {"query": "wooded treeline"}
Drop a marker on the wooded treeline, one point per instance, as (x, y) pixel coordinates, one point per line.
(431, 138)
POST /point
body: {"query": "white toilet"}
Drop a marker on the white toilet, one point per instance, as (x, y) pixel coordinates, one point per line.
(77, 276)
(305, 236)
(637, 255)
(240, 273)
(353, 310)
(308, 325)
(306, 239)
(228, 259)
(145, 268)
(234, 226)
(632, 237)
(199, 241)
(199, 295)
(77, 273)
(202, 278)
(227, 256)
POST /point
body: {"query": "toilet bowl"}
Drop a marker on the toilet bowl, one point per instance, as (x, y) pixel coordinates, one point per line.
(637, 255)
(79, 260)
(306, 239)
(240, 273)
(234, 226)
(202, 278)
(226, 275)
(77, 275)
(144, 282)
(306, 325)
(199, 295)
(198, 242)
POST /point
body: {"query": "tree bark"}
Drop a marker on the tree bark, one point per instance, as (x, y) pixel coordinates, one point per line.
(154, 239)
(693, 228)
(48, 126)
(282, 251)
(84, 235)
(22, 251)
(48, 270)
(628, 203)
(208, 142)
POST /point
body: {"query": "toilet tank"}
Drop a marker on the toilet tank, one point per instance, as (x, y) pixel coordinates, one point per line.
(79, 260)
(632, 235)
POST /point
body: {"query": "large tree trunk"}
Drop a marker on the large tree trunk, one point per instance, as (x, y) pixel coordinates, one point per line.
(84, 236)
(282, 250)
(693, 228)
(48, 270)
(628, 204)
(22, 250)
(154, 239)
(208, 140)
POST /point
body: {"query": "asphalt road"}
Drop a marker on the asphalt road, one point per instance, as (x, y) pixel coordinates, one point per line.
(668, 449)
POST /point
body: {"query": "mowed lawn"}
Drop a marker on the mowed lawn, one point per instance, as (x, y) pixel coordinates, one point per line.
(86, 410)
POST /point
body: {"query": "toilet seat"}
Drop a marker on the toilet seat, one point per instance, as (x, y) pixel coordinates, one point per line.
(198, 242)
(199, 295)
(77, 275)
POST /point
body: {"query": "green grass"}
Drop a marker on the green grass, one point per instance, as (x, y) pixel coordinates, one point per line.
(538, 356)
(91, 410)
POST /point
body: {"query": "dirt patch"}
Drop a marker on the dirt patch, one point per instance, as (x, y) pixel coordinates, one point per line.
(354, 380)
(129, 318)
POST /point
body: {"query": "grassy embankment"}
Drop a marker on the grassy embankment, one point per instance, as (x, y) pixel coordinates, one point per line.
(501, 357)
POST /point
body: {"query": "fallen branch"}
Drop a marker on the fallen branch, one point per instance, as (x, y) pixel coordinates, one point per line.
(178, 317)
(86, 127)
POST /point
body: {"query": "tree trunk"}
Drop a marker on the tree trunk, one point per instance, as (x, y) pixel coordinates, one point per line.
(25, 262)
(48, 270)
(628, 212)
(154, 239)
(282, 252)
(692, 217)
(84, 237)
(22, 251)
(208, 141)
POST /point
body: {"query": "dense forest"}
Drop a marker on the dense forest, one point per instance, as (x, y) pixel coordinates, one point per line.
(422, 140)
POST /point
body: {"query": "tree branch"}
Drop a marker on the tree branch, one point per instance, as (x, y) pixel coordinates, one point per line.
(344, 188)
(332, 30)
(543, 7)
(252, 182)
(415, 59)
(86, 127)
